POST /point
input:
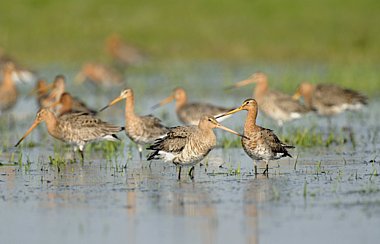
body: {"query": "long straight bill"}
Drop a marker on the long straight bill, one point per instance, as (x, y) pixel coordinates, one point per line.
(229, 112)
(34, 125)
(116, 100)
(163, 102)
(231, 131)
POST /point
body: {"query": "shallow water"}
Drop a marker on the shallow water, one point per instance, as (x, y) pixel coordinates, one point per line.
(321, 195)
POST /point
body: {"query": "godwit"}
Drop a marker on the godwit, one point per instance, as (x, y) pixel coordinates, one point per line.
(140, 129)
(58, 88)
(19, 73)
(276, 105)
(99, 74)
(187, 145)
(259, 143)
(330, 99)
(56, 93)
(190, 113)
(74, 128)
(67, 101)
(42, 91)
(125, 54)
(8, 90)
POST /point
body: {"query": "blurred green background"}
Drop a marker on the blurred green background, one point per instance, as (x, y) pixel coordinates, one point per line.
(333, 31)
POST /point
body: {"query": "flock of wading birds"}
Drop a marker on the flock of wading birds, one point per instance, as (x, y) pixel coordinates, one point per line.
(70, 120)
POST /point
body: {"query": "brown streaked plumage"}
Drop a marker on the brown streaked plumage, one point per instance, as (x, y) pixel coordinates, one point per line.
(8, 89)
(123, 53)
(260, 143)
(276, 105)
(74, 128)
(99, 74)
(328, 99)
(140, 129)
(187, 145)
(190, 113)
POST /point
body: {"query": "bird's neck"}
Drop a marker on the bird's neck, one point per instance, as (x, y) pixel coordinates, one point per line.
(308, 98)
(250, 122)
(130, 107)
(7, 80)
(261, 89)
(66, 108)
(52, 125)
(180, 102)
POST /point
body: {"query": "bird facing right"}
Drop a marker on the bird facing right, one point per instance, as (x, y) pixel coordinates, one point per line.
(259, 143)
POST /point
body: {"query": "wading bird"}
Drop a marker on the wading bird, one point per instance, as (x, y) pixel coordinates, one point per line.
(187, 145)
(259, 143)
(8, 89)
(276, 105)
(74, 128)
(190, 113)
(141, 130)
(329, 99)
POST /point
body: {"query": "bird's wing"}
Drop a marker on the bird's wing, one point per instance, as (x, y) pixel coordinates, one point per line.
(286, 102)
(331, 95)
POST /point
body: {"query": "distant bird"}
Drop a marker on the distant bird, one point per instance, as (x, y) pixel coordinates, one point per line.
(190, 113)
(8, 89)
(42, 91)
(99, 74)
(123, 53)
(56, 93)
(141, 130)
(187, 145)
(58, 88)
(329, 99)
(67, 106)
(19, 73)
(276, 105)
(75, 128)
(259, 143)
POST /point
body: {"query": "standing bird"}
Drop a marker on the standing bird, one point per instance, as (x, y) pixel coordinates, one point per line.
(329, 100)
(8, 90)
(99, 74)
(276, 105)
(141, 130)
(190, 113)
(259, 143)
(74, 128)
(187, 145)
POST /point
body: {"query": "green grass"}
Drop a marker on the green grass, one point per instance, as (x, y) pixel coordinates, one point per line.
(40, 31)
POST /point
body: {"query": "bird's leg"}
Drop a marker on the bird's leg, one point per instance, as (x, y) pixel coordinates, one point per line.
(191, 172)
(140, 148)
(266, 171)
(179, 172)
(81, 148)
(81, 155)
(255, 166)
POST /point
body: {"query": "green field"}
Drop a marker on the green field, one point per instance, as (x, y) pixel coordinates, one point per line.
(275, 30)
